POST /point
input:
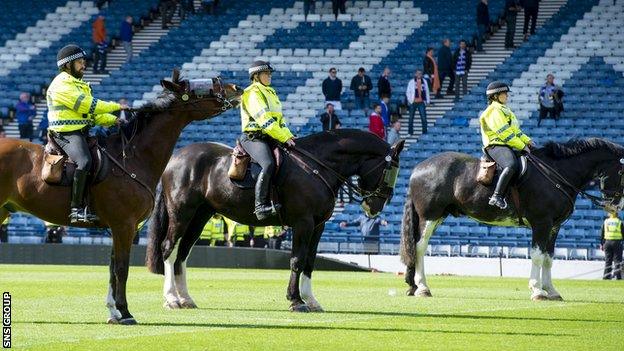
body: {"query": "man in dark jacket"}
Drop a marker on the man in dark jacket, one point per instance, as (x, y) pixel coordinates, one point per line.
(332, 88)
(462, 61)
(383, 84)
(512, 7)
(125, 35)
(445, 65)
(530, 14)
(483, 23)
(361, 85)
(329, 119)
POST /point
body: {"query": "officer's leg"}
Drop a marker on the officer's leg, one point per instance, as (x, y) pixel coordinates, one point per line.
(608, 250)
(261, 153)
(506, 160)
(617, 259)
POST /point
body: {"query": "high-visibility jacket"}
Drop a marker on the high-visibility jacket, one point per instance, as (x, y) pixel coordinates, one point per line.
(6, 221)
(499, 126)
(71, 106)
(613, 229)
(236, 231)
(213, 230)
(271, 231)
(261, 110)
(258, 231)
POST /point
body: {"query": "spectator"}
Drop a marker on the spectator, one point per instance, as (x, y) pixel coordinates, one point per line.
(339, 5)
(100, 45)
(361, 85)
(54, 233)
(483, 23)
(393, 132)
(4, 230)
(531, 8)
(186, 6)
(25, 112)
(239, 235)
(383, 84)
(276, 235)
(548, 99)
(431, 72)
(100, 3)
(329, 119)
(309, 6)
(462, 60)
(369, 227)
(417, 95)
(512, 7)
(375, 124)
(125, 35)
(445, 64)
(2, 132)
(210, 6)
(332, 88)
(167, 9)
(611, 243)
(42, 129)
(385, 110)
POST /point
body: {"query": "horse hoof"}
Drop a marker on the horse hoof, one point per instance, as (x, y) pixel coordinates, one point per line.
(112, 320)
(316, 308)
(539, 298)
(411, 291)
(555, 298)
(173, 305)
(302, 307)
(188, 304)
(127, 321)
(423, 293)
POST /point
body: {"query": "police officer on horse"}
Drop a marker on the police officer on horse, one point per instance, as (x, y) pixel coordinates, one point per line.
(72, 110)
(502, 138)
(263, 125)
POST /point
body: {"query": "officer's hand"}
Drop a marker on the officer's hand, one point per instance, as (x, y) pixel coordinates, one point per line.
(601, 248)
(124, 107)
(290, 142)
(532, 145)
(120, 122)
(527, 149)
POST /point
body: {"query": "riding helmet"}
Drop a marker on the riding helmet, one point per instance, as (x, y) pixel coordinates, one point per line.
(259, 66)
(496, 87)
(68, 54)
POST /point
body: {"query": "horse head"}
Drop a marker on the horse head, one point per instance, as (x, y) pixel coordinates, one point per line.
(611, 177)
(201, 98)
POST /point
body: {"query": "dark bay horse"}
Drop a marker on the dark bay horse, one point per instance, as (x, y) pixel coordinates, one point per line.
(124, 198)
(195, 186)
(446, 184)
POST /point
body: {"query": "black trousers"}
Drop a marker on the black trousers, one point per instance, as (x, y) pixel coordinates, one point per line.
(511, 29)
(443, 75)
(75, 145)
(26, 131)
(99, 61)
(545, 112)
(259, 242)
(613, 258)
(530, 14)
(260, 150)
(338, 5)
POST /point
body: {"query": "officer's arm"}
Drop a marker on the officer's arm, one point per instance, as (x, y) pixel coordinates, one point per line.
(496, 122)
(105, 119)
(260, 114)
(73, 99)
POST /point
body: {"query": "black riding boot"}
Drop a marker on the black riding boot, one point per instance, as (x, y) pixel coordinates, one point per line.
(498, 198)
(264, 209)
(78, 211)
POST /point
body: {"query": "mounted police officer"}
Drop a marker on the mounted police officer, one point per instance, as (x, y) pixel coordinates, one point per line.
(502, 138)
(263, 125)
(72, 110)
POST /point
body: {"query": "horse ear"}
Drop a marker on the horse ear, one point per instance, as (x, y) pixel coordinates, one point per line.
(175, 76)
(171, 86)
(397, 148)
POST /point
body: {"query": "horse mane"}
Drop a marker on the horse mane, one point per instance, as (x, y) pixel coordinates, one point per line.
(369, 141)
(144, 113)
(574, 147)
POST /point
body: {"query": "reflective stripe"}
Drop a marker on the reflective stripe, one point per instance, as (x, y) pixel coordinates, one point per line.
(78, 101)
(71, 122)
(268, 123)
(502, 129)
(252, 125)
(260, 113)
(509, 138)
(93, 103)
(58, 108)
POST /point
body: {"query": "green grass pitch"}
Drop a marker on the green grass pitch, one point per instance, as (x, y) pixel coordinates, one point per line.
(62, 308)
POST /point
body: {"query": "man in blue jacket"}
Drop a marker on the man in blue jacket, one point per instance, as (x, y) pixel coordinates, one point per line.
(25, 112)
(125, 35)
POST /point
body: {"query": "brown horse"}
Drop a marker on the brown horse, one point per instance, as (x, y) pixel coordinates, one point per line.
(125, 197)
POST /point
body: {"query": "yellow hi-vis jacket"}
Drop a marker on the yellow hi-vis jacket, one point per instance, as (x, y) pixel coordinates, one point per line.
(271, 231)
(499, 126)
(236, 231)
(613, 229)
(261, 110)
(71, 106)
(214, 229)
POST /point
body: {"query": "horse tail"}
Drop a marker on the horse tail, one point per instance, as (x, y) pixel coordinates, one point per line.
(409, 231)
(157, 233)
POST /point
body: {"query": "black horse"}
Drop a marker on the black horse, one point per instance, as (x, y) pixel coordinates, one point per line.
(446, 184)
(196, 185)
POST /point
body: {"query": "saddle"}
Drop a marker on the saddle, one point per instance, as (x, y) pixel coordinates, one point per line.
(58, 168)
(488, 170)
(243, 170)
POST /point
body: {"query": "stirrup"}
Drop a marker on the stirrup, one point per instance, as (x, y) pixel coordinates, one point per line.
(498, 201)
(81, 215)
(265, 211)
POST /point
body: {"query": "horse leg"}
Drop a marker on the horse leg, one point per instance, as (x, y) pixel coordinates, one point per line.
(115, 315)
(541, 233)
(547, 284)
(426, 230)
(305, 286)
(302, 233)
(123, 234)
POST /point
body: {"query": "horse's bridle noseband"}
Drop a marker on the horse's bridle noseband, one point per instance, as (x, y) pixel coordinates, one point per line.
(206, 89)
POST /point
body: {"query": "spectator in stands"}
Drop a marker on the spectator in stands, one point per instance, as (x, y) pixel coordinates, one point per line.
(445, 65)
(167, 9)
(332, 88)
(417, 95)
(42, 129)
(512, 7)
(393, 132)
(431, 72)
(54, 233)
(101, 3)
(329, 119)
(4, 230)
(361, 85)
(2, 132)
(549, 99)
(210, 6)
(383, 84)
(531, 8)
(385, 111)
(483, 23)
(339, 5)
(369, 226)
(375, 124)
(186, 6)
(125, 35)
(276, 235)
(462, 61)
(611, 242)
(25, 112)
(309, 6)
(99, 37)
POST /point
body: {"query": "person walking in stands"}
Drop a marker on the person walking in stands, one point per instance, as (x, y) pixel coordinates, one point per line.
(125, 35)
(611, 243)
(332, 89)
(430, 68)
(376, 125)
(483, 23)
(462, 61)
(369, 226)
(167, 9)
(384, 88)
(385, 111)
(393, 133)
(548, 100)
(502, 139)
(531, 7)
(445, 65)
(339, 5)
(25, 112)
(417, 95)
(512, 7)
(275, 234)
(361, 85)
(100, 45)
(309, 6)
(329, 119)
